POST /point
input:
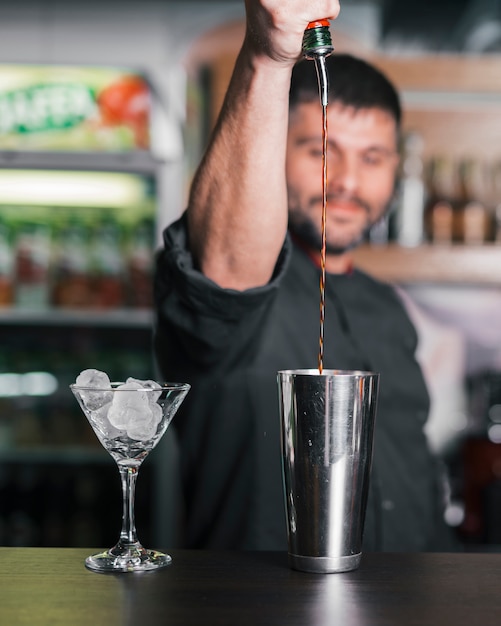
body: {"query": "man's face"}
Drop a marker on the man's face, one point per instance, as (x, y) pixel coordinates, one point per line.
(361, 168)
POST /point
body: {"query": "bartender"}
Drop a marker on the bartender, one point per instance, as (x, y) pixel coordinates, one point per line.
(237, 292)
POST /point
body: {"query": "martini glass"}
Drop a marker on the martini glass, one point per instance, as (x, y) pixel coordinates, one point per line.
(129, 420)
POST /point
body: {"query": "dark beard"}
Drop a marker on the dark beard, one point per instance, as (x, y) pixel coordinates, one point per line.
(309, 234)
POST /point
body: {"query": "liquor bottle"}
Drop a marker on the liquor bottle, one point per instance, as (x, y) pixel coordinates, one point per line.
(317, 40)
(442, 188)
(495, 176)
(317, 45)
(473, 218)
(409, 216)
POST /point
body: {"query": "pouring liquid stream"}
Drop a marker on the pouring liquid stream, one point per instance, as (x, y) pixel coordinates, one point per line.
(317, 45)
(320, 62)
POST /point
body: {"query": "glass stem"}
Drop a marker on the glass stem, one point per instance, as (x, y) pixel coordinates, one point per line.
(128, 476)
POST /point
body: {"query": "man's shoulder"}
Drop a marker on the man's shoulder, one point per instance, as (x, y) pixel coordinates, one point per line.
(367, 296)
(175, 234)
(356, 286)
(176, 273)
(375, 286)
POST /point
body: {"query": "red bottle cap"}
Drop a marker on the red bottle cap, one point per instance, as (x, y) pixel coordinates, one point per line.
(318, 23)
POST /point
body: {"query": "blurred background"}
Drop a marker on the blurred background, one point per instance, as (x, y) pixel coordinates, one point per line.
(105, 109)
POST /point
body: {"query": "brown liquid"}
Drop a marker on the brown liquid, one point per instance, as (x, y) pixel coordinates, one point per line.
(323, 249)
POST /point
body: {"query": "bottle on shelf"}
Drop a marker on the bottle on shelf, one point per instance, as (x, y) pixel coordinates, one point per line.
(32, 265)
(6, 264)
(495, 179)
(442, 201)
(71, 282)
(473, 216)
(409, 216)
(108, 264)
(140, 264)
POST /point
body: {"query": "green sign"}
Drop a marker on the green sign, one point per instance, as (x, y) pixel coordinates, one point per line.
(45, 107)
(73, 108)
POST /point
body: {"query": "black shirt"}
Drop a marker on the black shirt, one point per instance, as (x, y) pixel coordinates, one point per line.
(229, 346)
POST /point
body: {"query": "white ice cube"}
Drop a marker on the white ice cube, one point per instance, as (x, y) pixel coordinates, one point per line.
(129, 405)
(148, 384)
(142, 429)
(157, 412)
(102, 426)
(95, 380)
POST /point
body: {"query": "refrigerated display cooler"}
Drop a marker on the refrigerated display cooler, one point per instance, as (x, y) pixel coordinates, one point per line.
(78, 210)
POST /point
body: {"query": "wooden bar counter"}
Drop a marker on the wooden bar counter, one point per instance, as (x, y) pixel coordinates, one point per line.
(52, 587)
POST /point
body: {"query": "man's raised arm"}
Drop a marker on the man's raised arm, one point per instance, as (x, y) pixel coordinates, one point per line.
(237, 211)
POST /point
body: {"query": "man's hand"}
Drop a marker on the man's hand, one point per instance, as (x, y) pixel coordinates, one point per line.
(275, 27)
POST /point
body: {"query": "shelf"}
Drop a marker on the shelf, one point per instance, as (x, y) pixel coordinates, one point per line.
(137, 162)
(443, 72)
(126, 318)
(76, 455)
(452, 265)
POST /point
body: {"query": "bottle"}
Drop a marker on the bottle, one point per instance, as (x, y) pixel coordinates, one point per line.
(409, 217)
(72, 286)
(317, 44)
(32, 265)
(140, 264)
(495, 175)
(439, 213)
(108, 264)
(6, 264)
(474, 226)
(317, 39)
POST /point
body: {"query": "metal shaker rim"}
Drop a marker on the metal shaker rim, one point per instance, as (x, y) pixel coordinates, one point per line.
(326, 372)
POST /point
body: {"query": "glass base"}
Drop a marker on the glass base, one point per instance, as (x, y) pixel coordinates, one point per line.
(127, 559)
